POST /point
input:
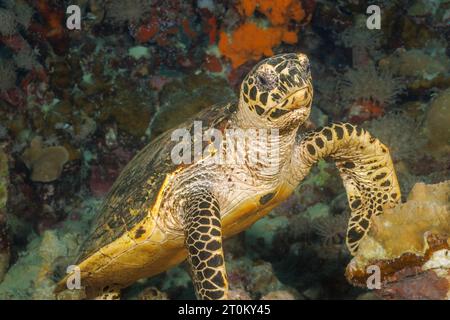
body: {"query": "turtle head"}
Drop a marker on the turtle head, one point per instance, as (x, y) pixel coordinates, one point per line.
(278, 91)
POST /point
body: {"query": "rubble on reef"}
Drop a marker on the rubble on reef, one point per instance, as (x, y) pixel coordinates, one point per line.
(410, 246)
(75, 107)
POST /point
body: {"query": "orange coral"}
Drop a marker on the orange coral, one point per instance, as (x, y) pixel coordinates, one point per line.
(250, 42)
(279, 12)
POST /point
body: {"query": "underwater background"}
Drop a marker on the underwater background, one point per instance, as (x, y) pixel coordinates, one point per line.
(76, 105)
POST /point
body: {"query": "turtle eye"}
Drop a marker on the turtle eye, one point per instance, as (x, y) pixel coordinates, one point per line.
(266, 81)
(262, 80)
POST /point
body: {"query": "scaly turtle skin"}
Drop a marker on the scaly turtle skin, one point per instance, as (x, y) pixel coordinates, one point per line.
(159, 213)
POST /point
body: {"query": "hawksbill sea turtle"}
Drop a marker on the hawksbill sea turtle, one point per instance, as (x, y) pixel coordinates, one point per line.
(159, 213)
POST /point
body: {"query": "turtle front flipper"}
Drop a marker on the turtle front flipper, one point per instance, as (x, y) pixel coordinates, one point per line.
(365, 166)
(203, 234)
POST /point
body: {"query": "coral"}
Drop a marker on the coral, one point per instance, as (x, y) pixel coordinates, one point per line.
(370, 83)
(420, 69)
(331, 229)
(255, 38)
(436, 124)
(367, 90)
(4, 241)
(132, 113)
(31, 276)
(412, 239)
(45, 259)
(45, 163)
(251, 42)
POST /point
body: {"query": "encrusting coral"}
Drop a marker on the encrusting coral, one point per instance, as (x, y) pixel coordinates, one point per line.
(410, 245)
(251, 41)
(45, 163)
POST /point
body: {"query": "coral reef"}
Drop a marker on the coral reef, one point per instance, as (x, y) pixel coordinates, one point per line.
(400, 132)
(96, 97)
(241, 45)
(410, 246)
(251, 40)
(419, 68)
(46, 164)
(367, 91)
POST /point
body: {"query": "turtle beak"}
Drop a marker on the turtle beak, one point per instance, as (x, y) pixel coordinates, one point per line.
(298, 99)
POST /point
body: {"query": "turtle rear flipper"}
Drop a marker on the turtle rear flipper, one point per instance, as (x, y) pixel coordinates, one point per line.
(366, 169)
(203, 239)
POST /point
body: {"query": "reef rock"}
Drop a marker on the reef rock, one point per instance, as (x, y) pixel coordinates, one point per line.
(420, 69)
(410, 247)
(45, 163)
(437, 126)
